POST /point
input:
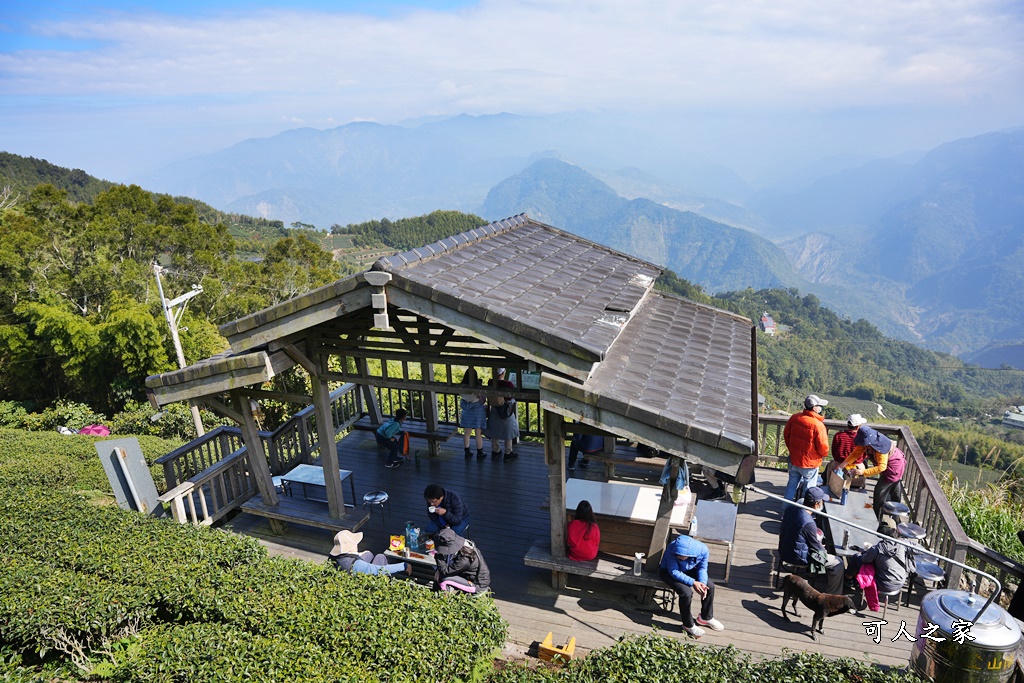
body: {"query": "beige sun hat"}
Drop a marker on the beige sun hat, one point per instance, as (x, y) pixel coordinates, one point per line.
(346, 542)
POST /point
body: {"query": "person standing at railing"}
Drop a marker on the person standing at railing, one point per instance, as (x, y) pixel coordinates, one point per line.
(807, 440)
(889, 465)
(842, 446)
(472, 414)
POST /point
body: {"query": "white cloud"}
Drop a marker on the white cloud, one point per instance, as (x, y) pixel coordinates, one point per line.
(258, 69)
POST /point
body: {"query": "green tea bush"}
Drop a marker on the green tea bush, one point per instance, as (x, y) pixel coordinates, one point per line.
(58, 461)
(131, 597)
(655, 658)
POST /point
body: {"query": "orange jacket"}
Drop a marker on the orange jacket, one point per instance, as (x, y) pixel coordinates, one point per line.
(806, 438)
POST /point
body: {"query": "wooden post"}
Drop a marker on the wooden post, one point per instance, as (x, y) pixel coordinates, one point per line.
(659, 537)
(554, 456)
(328, 449)
(257, 458)
(430, 410)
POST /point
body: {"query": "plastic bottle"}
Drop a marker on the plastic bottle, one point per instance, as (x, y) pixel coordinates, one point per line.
(693, 528)
(638, 563)
(412, 536)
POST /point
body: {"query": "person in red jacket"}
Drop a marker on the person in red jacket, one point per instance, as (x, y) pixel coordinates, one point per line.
(807, 440)
(582, 535)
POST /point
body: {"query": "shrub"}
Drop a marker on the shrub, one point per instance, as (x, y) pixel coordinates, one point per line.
(655, 657)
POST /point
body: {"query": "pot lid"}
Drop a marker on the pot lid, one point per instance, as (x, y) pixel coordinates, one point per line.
(994, 628)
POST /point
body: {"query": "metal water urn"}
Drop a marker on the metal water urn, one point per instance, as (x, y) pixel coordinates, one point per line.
(990, 656)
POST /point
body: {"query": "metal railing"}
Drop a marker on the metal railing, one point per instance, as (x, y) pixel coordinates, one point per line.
(928, 504)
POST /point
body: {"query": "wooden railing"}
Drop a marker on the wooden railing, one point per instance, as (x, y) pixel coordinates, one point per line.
(196, 456)
(213, 493)
(448, 411)
(207, 480)
(929, 506)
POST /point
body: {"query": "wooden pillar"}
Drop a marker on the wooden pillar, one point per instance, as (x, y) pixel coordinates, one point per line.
(328, 449)
(554, 456)
(430, 410)
(257, 458)
(254, 446)
(659, 537)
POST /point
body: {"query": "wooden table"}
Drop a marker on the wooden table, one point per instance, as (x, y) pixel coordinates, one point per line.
(858, 509)
(620, 508)
(423, 564)
(635, 502)
(311, 479)
(716, 524)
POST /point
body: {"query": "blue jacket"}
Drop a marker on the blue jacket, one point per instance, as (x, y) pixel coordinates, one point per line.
(695, 554)
(798, 536)
(390, 428)
(455, 510)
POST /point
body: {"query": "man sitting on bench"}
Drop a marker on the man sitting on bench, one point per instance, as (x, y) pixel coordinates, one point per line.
(585, 443)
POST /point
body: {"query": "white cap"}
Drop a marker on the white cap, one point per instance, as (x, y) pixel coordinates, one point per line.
(856, 420)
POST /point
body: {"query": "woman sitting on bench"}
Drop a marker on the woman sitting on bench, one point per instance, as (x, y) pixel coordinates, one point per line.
(460, 566)
(582, 535)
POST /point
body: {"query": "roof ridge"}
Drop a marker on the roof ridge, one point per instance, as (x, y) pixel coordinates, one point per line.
(449, 244)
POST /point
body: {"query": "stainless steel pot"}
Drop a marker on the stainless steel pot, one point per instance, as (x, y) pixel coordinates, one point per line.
(989, 657)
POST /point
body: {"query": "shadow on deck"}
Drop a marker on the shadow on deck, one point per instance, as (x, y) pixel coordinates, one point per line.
(506, 502)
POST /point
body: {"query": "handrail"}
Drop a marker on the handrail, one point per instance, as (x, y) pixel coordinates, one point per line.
(215, 467)
(222, 487)
(928, 504)
(915, 549)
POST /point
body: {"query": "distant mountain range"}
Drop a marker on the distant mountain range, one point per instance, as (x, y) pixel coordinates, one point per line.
(927, 246)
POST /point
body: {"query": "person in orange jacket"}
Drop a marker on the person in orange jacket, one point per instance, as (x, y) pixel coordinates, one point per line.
(807, 440)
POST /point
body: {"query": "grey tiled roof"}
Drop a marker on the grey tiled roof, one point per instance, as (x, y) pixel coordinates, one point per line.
(684, 368)
(531, 279)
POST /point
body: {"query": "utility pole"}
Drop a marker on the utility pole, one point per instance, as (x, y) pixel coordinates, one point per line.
(172, 322)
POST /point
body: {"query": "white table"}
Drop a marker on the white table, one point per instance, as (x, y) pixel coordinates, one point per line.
(311, 479)
(634, 502)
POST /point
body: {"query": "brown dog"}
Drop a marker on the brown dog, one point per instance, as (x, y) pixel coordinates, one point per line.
(823, 604)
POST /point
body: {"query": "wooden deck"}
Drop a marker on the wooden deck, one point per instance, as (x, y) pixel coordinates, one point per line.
(505, 500)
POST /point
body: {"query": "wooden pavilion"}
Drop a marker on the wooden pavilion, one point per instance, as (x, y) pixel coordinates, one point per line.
(580, 326)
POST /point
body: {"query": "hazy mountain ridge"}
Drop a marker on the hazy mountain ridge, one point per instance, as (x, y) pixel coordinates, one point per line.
(719, 257)
(924, 244)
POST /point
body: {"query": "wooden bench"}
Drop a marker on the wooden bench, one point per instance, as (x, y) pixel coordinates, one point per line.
(607, 567)
(415, 429)
(624, 455)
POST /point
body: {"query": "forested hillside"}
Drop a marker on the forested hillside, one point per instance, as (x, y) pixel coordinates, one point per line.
(409, 233)
(80, 317)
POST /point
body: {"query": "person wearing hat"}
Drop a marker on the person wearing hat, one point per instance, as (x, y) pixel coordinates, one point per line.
(889, 465)
(460, 564)
(807, 440)
(800, 543)
(346, 556)
(842, 441)
(684, 567)
(842, 446)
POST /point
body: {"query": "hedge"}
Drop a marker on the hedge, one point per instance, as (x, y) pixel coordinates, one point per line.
(654, 658)
(89, 588)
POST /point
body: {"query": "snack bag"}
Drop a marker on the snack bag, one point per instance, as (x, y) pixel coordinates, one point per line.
(397, 544)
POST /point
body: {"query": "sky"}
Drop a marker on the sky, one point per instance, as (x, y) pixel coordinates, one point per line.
(119, 88)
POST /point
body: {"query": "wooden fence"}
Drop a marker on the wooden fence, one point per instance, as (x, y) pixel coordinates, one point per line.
(210, 476)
